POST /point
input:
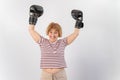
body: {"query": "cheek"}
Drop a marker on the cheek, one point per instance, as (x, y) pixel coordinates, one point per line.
(56, 35)
(49, 34)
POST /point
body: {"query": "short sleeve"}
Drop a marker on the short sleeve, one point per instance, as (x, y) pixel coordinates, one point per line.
(64, 41)
(42, 40)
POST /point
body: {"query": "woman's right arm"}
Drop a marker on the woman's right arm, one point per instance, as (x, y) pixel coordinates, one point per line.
(35, 12)
(35, 35)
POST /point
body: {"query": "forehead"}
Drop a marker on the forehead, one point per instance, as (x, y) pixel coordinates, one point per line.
(54, 30)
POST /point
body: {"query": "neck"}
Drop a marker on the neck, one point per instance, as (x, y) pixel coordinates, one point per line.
(52, 41)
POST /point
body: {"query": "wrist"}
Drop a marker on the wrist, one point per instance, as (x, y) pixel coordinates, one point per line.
(76, 31)
(31, 27)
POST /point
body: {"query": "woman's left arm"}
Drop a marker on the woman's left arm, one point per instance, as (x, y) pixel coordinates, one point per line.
(78, 16)
(73, 36)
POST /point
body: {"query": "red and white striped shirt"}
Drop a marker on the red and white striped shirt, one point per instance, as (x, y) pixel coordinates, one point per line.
(52, 54)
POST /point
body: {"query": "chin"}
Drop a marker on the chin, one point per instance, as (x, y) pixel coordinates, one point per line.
(53, 39)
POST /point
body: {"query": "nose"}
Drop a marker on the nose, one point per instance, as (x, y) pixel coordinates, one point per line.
(52, 34)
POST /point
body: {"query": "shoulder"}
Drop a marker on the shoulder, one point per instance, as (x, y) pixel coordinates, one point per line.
(43, 40)
(63, 40)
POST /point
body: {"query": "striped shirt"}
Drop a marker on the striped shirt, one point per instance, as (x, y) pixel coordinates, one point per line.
(52, 54)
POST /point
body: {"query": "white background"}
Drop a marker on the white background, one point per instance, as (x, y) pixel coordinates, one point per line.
(94, 55)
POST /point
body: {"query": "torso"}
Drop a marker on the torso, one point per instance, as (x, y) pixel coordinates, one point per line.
(52, 55)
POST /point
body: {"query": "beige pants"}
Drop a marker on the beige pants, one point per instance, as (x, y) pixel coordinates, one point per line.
(61, 75)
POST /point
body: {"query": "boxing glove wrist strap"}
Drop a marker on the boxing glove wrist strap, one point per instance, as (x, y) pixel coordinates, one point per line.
(79, 24)
(32, 20)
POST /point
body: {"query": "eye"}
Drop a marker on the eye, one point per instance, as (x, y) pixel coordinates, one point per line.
(56, 32)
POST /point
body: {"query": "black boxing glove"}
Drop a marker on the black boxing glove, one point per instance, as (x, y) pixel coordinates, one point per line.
(35, 12)
(78, 16)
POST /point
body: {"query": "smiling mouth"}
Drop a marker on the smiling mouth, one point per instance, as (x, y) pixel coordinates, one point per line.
(53, 37)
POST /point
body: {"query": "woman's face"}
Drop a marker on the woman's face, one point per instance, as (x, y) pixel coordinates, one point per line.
(53, 35)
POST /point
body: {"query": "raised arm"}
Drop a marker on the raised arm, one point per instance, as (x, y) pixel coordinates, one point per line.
(35, 35)
(78, 16)
(73, 36)
(35, 12)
